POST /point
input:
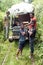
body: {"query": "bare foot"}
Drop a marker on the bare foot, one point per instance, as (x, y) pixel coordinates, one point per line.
(32, 60)
(16, 58)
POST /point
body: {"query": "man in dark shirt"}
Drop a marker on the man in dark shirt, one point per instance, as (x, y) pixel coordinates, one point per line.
(21, 40)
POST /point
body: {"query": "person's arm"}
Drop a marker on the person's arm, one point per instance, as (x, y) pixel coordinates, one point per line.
(23, 33)
(30, 23)
(30, 33)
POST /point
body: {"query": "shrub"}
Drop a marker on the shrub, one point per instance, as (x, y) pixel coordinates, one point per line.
(39, 15)
(1, 21)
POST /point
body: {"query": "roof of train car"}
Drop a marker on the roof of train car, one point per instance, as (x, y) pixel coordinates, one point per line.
(21, 8)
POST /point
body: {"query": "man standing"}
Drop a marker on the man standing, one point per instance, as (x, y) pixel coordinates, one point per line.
(32, 32)
(6, 25)
(22, 40)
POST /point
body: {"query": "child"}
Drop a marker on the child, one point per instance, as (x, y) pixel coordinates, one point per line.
(22, 40)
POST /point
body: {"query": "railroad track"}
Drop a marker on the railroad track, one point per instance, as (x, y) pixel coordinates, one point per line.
(6, 55)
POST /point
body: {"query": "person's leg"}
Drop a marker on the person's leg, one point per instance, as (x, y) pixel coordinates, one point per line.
(8, 33)
(32, 42)
(18, 52)
(23, 44)
(19, 49)
(4, 29)
(31, 46)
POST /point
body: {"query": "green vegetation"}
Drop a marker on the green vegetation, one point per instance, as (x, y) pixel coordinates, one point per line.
(3, 49)
(23, 60)
(4, 46)
(5, 4)
(1, 20)
(39, 15)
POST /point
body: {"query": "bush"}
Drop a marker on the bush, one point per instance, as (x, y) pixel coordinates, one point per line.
(39, 15)
(1, 21)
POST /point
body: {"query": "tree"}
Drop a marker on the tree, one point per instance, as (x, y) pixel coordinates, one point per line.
(5, 4)
(28, 1)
